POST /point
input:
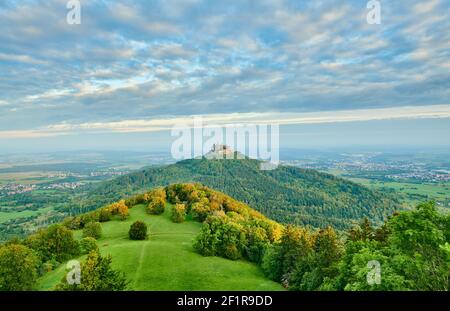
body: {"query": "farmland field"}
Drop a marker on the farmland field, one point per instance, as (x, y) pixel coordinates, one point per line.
(413, 192)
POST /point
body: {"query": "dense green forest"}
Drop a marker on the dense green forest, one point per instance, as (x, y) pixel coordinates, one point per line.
(409, 251)
(287, 194)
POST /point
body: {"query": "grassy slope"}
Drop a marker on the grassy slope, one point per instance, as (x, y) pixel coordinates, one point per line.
(167, 261)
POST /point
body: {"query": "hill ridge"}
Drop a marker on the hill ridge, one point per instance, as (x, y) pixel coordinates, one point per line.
(286, 194)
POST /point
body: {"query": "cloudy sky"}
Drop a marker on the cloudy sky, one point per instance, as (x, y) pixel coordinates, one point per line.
(133, 69)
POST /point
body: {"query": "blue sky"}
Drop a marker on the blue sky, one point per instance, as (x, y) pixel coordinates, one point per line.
(134, 68)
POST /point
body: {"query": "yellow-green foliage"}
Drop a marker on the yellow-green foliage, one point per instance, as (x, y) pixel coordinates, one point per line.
(231, 229)
(158, 193)
(156, 201)
(93, 230)
(18, 266)
(156, 206)
(178, 213)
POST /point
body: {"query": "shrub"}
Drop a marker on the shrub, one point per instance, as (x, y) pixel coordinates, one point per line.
(172, 195)
(96, 275)
(89, 217)
(200, 211)
(156, 206)
(158, 193)
(92, 229)
(18, 268)
(138, 231)
(105, 215)
(130, 202)
(140, 199)
(123, 210)
(88, 244)
(178, 213)
(232, 252)
(49, 265)
(73, 223)
(119, 208)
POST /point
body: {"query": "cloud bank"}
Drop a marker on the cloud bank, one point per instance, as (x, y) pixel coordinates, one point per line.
(145, 65)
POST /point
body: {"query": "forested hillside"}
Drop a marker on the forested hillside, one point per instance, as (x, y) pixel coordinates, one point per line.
(287, 194)
(191, 237)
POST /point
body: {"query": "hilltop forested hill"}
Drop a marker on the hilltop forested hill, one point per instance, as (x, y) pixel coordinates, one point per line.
(286, 194)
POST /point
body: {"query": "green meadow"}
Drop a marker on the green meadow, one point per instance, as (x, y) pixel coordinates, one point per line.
(5, 216)
(167, 260)
(414, 192)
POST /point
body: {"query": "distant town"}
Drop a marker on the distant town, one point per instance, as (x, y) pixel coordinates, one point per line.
(405, 171)
(18, 188)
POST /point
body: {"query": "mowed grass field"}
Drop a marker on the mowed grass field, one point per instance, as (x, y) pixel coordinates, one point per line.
(167, 261)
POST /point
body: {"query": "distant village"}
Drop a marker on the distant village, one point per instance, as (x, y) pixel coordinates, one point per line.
(389, 171)
(12, 189)
(18, 188)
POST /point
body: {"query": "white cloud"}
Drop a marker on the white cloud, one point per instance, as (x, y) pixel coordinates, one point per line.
(21, 58)
(192, 57)
(426, 6)
(152, 125)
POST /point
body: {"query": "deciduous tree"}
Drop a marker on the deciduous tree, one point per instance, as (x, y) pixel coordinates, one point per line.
(18, 268)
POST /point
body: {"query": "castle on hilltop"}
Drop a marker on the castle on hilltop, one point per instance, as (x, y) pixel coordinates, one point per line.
(221, 148)
(219, 151)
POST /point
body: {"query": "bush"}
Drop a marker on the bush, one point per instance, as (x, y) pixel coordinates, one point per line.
(156, 206)
(89, 217)
(138, 231)
(200, 211)
(105, 215)
(172, 195)
(178, 213)
(49, 265)
(93, 229)
(158, 193)
(130, 202)
(96, 275)
(119, 208)
(88, 244)
(232, 252)
(140, 199)
(73, 223)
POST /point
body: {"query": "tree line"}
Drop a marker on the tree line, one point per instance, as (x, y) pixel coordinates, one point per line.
(411, 248)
